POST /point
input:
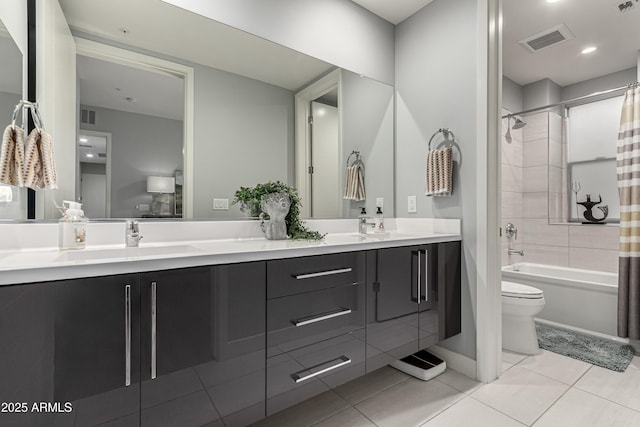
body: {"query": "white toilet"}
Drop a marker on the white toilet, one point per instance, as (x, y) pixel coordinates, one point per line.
(520, 303)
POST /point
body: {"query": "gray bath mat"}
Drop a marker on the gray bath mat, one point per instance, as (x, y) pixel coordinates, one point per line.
(588, 348)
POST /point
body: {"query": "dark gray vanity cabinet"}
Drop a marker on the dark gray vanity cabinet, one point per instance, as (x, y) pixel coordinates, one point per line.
(315, 326)
(26, 354)
(413, 300)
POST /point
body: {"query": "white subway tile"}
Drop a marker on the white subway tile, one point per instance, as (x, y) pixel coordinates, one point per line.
(540, 232)
(534, 179)
(551, 255)
(594, 259)
(511, 178)
(535, 205)
(511, 204)
(537, 127)
(594, 236)
(535, 153)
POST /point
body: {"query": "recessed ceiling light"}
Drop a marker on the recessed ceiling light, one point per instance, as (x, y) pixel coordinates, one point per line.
(552, 1)
(589, 49)
(83, 139)
(89, 155)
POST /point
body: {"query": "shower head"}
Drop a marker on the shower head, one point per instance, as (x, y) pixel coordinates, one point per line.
(519, 124)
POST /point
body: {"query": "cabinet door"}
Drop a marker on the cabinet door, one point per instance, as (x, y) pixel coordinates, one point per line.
(430, 295)
(449, 289)
(235, 379)
(97, 352)
(26, 357)
(176, 337)
(392, 305)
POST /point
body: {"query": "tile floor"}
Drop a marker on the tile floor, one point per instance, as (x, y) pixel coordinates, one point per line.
(546, 390)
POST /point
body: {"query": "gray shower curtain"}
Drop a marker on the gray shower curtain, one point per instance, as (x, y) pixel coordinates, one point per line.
(628, 163)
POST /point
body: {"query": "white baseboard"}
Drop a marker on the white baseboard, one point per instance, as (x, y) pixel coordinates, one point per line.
(456, 361)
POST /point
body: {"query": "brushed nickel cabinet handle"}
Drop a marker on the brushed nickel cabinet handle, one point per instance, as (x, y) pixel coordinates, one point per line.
(154, 330)
(342, 360)
(323, 273)
(419, 273)
(321, 317)
(127, 335)
(426, 277)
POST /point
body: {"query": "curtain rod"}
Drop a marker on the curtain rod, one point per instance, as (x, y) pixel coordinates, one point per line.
(570, 101)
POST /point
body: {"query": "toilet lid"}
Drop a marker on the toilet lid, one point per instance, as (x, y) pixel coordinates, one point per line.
(518, 290)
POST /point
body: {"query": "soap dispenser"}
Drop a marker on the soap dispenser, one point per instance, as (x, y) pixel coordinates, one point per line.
(72, 227)
(362, 224)
(378, 222)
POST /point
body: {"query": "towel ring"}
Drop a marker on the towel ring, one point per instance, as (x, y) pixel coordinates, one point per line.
(357, 154)
(446, 132)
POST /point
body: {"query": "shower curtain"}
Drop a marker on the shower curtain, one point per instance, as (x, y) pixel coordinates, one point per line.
(628, 164)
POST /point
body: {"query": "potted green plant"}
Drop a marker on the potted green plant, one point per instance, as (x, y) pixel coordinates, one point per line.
(251, 201)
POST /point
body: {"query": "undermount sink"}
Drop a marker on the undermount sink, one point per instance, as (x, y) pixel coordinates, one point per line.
(143, 251)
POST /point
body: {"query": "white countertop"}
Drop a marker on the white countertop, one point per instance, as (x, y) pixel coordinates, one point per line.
(42, 264)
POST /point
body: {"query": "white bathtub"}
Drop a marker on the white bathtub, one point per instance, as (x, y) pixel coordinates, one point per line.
(582, 299)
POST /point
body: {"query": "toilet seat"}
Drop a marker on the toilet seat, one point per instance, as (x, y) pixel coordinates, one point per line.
(518, 290)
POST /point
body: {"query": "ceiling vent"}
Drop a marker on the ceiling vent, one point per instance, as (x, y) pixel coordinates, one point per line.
(626, 6)
(547, 38)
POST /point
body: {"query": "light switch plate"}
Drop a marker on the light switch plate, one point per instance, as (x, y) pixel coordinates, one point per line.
(143, 207)
(221, 204)
(380, 203)
(411, 204)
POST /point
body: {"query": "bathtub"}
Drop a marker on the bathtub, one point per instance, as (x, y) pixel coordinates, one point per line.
(578, 299)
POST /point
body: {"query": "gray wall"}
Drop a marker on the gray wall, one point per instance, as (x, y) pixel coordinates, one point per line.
(367, 126)
(140, 146)
(357, 40)
(609, 81)
(244, 135)
(540, 93)
(512, 95)
(17, 208)
(94, 168)
(436, 87)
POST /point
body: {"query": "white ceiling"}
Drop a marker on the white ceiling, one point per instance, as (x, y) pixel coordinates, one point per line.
(394, 11)
(597, 22)
(90, 148)
(158, 27)
(593, 22)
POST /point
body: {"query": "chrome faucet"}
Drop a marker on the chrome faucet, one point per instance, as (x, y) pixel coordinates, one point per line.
(512, 232)
(132, 234)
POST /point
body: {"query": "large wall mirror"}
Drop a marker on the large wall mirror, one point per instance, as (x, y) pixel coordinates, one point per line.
(175, 112)
(12, 199)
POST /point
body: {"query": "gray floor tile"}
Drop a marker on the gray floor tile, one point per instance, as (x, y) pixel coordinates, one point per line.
(410, 403)
(347, 418)
(307, 413)
(468, 412)
(374, 382)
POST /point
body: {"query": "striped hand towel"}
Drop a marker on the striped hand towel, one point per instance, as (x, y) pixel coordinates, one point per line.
(354, 183)
(439, 178)
(12, 156)
(39, 170)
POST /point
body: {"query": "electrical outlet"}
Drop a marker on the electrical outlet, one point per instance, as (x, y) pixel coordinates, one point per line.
(221, 204)
(411, 204)
(380, 203)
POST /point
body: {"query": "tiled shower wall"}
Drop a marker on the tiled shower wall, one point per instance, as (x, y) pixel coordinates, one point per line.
(534, 191)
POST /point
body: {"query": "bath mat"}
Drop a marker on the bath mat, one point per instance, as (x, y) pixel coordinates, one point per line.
(588, 348)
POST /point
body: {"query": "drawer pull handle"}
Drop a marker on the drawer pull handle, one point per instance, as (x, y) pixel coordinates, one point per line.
(323, 273)
(154, 330)
(321, 317)
(342, 360)
(127, 335)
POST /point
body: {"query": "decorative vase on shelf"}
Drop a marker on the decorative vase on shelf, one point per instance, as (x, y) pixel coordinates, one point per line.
(276, 206)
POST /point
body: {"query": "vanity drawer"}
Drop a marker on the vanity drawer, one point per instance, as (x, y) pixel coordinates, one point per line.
(298, 275)
(299, 320)
(300, 374)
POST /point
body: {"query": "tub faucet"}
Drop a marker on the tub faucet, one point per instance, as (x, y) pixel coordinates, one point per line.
(515, 252)
(132, 234)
